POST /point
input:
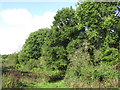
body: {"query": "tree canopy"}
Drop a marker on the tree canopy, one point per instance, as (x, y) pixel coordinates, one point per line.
(93, 28)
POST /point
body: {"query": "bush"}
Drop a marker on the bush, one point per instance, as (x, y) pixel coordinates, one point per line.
(80, 66)
(10, 60)
(55, 59)
(11, 81)
(4, 56)
(109, 55)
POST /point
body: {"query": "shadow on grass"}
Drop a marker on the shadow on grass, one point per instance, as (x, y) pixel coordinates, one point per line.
(12, 69)
(7, 69)
(56, 78)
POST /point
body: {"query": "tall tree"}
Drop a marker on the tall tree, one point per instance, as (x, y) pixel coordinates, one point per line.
(64, 29)
(101, 24)
(99, 19)
(32, 47)
(66, 24)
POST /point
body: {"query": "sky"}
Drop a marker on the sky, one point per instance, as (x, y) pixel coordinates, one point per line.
(19, 19)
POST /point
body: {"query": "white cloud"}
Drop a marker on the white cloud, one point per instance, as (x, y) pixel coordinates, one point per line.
(19, 24)
(11, 40)
(43, 21)
(16, 16)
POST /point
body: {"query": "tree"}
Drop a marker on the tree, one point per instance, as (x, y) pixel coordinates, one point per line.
(64, 29)
(65, 26)
(32, 47)
(102, 26)
(4, 56)
(99, 19)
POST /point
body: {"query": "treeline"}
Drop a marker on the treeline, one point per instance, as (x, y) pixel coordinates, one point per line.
(80, 43)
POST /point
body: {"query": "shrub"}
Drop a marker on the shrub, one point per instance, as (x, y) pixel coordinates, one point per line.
(11, 81)
(54, 59)
(4, 56)
(80, 66)
(109, 55)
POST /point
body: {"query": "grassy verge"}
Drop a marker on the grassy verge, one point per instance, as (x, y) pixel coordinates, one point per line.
(57, 84)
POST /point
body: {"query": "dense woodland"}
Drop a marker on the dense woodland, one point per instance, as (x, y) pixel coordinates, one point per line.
(81, 45)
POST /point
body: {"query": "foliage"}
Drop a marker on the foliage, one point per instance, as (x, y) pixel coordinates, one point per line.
(109, 55)
(55, 59)
(65, 17)
(80, 68)
(11, 81)
(61, 33)
(10, 60)
(65, 26)
(31, 64)
(82, 44)
(4, 56)
(32, 46)
(16, 59)
(99, 19)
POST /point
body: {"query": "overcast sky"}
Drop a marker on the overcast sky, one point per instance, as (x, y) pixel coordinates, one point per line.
(19, 19)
